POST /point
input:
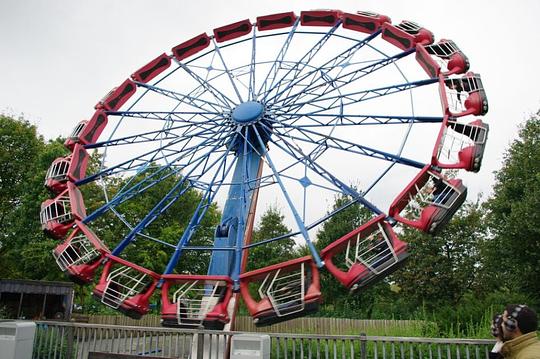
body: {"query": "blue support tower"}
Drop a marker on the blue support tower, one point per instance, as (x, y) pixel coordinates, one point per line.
(231, 231)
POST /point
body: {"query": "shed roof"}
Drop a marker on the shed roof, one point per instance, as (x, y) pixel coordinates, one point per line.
(35, 286)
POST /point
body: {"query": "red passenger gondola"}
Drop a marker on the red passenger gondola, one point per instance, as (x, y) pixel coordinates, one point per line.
(58, 214)
(282, 291)
(192, 301)
(126, 287)
(365, 255)
(406, 35)
(80, 254)
(461, 145)
(429, 201)
(70, 168)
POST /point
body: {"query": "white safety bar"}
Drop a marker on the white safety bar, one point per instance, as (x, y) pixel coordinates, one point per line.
(436, 191)
(458, 89)
(375, 251)
(79, 251)
(409, 27)
(77, 130)
(195, 299)
(59, 211)
(285, 290)
(456, 137)
(122, 283)
(58, 170)
(442, 49)
(367, 13)
(442, 53)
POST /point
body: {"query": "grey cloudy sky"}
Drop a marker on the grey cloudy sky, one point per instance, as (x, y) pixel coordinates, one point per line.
(59, 57)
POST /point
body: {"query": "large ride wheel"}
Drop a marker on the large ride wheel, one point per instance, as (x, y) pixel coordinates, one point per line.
(288, 109)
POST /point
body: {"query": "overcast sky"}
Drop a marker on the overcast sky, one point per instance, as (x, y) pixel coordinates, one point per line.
(59, 57)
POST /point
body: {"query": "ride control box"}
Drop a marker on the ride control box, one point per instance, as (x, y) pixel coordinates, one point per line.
(252, 346)
(17, 339)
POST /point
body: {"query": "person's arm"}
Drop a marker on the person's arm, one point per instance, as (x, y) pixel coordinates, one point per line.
(495, 352)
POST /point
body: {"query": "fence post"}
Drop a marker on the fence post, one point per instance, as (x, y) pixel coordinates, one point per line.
(363, 351)
(69, 341)
(200, 345)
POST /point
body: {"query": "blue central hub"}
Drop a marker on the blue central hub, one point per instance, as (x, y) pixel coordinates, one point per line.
(247, 112)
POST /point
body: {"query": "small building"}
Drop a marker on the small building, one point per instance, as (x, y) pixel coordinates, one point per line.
(38, 300)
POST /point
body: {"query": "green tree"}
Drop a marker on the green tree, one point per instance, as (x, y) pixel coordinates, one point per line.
(442, 269)
(24, 159)
(271, 226)
(513, 254)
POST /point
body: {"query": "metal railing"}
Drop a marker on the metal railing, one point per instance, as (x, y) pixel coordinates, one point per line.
(56, 340)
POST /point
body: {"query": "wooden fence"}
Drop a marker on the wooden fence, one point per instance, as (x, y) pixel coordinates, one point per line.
(336, 326)
(61, 340)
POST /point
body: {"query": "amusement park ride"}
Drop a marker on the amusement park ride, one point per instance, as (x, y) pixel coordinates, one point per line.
(295, 107)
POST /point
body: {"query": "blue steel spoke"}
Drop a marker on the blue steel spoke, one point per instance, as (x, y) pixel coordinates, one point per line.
(183, 98)
(220, 55)
(240, 71)
(352, 119)
(163, 115)
(203, 248)
(218, 95)
(296, 162)
(237, 74)
(165, 203)
(130, 227)
(304, 61)
(198, 215)
(137, 162)
(349, 77)
(276, 64)
(308, 227)
(322, 140)
(142, 160)
(251, 90)
(318, 185)
(344, 79)
(129, 193)
(296, 215)
(339, 60)
(190, 152)
(140, 187)
(270, 240)
(151, 135)
(291, 149)
(359, 96)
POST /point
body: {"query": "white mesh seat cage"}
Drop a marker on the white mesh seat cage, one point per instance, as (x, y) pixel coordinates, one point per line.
(436, 191)
(367, 13)
(122, 283)
(58, 170)
(409, 27)
(375, 251)
(458, 136)
(442, 51)
(79, 251)
(458, 89)
(285, 290)
(77, 130)
(58, 210)
(195, 299)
